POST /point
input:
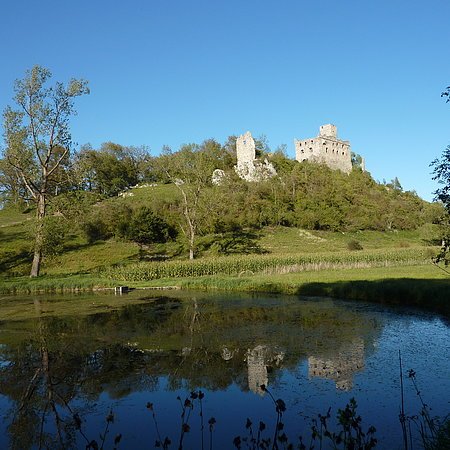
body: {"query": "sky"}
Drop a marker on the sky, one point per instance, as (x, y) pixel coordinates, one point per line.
(169, 72)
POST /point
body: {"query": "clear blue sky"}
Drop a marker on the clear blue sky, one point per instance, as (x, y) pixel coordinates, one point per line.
(173, 71)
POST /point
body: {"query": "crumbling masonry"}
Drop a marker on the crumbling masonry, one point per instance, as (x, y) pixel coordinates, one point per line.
(325, 148)
(248, 167)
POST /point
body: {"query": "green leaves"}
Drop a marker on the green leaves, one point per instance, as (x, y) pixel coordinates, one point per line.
(145, 227)
(77, 87)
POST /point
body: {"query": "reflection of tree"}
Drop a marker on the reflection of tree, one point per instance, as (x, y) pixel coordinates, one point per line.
(41, 395)
(194, 344)
(46, 372)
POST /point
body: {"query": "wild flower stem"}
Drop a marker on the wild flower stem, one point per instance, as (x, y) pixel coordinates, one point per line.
(402, 411)
(201, 416)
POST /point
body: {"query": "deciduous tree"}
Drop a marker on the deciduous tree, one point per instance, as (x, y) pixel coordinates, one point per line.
(441, 174)
(38, 139)
(190, 169)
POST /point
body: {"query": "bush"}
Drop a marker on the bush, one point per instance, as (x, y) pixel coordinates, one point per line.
(96, 230)
(105, 222)
(145, 227)
(55, 231)
(354, 245)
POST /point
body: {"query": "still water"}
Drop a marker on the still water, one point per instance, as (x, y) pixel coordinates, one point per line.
(67, 362)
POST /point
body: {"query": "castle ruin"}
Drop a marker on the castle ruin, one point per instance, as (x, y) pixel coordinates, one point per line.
(326, 149)
(248, 167)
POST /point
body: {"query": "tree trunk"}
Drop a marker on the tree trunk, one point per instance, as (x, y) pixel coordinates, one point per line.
(191, 239)
(39, 237)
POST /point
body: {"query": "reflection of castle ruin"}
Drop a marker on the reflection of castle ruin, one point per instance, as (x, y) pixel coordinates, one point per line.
(257, 369)
(341, 367)
(257, 361)
(325, 148)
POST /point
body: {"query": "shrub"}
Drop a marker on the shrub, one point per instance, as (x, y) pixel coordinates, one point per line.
(96, 230)
(55, 231)
(105, 222)
(145, 227)
(354, 245)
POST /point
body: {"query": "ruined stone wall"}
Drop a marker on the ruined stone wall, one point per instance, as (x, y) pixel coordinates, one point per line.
(326, 149)
(248, 167)
(245, 148)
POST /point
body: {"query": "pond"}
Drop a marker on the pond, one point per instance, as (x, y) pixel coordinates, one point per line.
(68, 362)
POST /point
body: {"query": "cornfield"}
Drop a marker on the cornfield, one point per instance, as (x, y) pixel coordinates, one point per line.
(264, 264)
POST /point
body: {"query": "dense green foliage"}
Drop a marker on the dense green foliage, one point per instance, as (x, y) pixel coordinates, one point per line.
(111, 169)
(441, 173)
(145, 228)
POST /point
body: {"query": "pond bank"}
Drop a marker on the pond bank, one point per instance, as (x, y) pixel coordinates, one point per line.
(423, 286)
(419, 286)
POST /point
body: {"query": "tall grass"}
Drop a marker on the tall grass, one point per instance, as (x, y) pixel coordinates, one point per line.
(264, 264)
(68, 283)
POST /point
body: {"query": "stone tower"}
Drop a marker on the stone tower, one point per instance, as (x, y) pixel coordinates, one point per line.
(328, 130)
(245, 147)
(326, 148)
(248, 167)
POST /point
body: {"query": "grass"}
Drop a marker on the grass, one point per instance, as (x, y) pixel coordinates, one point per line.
(423, 286)
(52, 283)
(12, 216)
(284, 240)
(14, 241)
(89, 258)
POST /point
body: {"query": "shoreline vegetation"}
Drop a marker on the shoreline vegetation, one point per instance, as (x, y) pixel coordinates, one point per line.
(405, 281)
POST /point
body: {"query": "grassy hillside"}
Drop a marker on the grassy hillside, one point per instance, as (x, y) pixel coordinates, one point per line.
(78, 256)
